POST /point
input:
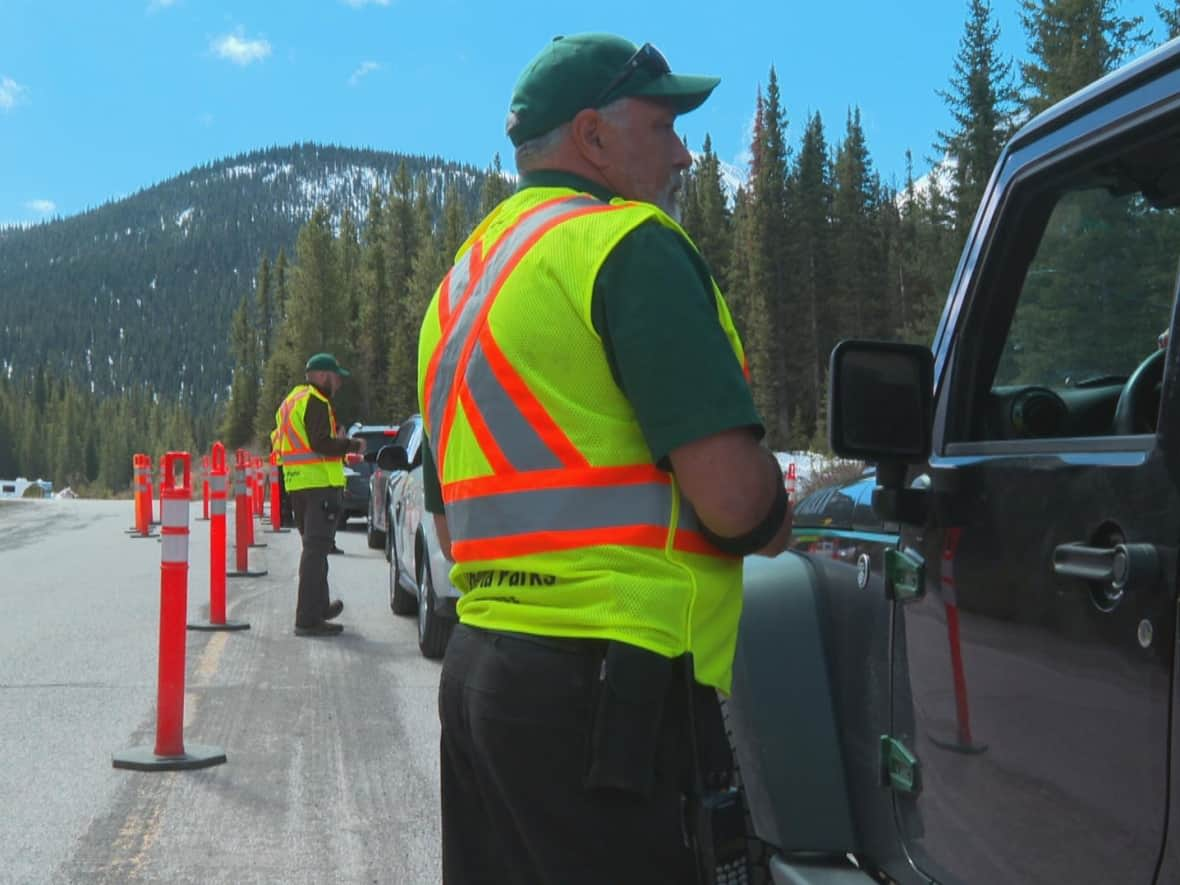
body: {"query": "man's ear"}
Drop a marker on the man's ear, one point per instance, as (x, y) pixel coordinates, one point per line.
(588, 135)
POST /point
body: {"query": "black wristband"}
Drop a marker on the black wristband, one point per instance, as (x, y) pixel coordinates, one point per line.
(760, 535)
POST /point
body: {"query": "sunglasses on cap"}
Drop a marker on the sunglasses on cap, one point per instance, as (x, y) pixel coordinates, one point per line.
(646, 58)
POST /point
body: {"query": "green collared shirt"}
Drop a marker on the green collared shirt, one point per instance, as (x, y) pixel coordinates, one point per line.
(653, 306)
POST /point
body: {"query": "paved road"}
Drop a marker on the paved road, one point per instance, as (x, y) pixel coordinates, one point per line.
(332, 743)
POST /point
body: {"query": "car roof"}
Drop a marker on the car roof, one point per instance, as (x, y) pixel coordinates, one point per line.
(371, 428)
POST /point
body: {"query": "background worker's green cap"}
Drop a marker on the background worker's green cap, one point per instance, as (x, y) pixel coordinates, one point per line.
(592, 70)
(325, 362)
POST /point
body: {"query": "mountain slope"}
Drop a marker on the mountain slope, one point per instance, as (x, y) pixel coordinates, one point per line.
(142, 289)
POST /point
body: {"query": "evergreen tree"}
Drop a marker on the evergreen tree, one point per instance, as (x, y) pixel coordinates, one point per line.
(317, 318)
(812, 334)
(1170, 14)
(1071, 44)
(264, 311)
(281, 295)
(415, 226)
(858, 263)
(238, 429)
(496, 188)
(349, 400)
(981, 98)
(768, 273)
(706, 215)
(375, 312)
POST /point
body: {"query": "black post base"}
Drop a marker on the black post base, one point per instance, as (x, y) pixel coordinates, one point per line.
(227, 625)
(145, 759)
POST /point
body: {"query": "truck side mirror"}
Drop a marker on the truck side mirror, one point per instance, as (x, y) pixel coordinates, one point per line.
(392, 458)
(879, 401)
(879, 410)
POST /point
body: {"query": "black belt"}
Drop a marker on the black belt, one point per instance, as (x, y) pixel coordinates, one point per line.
(567, 644)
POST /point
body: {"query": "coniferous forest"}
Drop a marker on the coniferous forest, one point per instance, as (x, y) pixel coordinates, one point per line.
(813, 247)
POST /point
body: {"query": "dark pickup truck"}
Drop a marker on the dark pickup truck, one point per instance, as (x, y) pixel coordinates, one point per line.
(989, 695)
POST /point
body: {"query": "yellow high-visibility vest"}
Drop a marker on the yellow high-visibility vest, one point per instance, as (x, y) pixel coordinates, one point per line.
(560, 522)
(302, 467)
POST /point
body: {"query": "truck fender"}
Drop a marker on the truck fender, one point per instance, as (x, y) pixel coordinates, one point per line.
(782, 716)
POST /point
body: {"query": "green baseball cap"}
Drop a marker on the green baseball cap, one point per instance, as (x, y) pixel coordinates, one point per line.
(591, 70)
(325, 362)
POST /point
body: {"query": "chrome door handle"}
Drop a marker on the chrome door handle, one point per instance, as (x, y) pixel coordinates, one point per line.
(1120, 566)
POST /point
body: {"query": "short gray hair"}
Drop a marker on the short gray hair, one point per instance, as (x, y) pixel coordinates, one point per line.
(536, 152)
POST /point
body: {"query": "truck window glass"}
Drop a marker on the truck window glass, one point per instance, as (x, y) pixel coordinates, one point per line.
(1095, 299)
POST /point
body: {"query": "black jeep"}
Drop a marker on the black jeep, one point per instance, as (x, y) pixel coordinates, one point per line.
(990, 695)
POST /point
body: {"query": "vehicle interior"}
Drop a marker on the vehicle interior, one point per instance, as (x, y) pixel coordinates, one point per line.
(1089, 280)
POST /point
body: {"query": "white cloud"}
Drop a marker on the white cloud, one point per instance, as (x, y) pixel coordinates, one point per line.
(42, 207)
(236, 48)
(11, 93)
(366, 68)
(360, 4)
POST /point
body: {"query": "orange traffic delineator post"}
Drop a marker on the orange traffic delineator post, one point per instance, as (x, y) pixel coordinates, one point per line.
(218, 479)
(250, 464)
(141, 468)
(205, 486)
(170, 753)
(789, 479)
(242, 520)
(153, 492)
(276, 496)
(259, 486)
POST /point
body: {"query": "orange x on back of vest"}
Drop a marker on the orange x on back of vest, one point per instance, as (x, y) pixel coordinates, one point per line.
(475, 329)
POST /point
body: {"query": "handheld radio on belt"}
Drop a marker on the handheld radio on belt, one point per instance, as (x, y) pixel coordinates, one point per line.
(717, 819)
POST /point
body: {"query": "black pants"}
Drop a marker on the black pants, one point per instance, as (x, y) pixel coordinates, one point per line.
(315, 516)
(516, 718)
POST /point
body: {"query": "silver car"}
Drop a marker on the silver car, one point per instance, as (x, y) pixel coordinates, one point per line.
(419, 574)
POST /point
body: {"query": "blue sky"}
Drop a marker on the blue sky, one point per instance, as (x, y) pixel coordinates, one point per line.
(101, 99)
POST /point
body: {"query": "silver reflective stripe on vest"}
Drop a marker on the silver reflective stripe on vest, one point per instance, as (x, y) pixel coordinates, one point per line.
(502, 254)
(556, 510)
(521, 445)
(460, 278)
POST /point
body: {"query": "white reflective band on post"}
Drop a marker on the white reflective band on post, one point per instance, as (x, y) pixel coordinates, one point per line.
(174, 548)
(217, 506)
(217, 484)
(174, 513)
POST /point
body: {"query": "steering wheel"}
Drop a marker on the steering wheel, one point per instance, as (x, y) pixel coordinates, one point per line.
(1138, 406)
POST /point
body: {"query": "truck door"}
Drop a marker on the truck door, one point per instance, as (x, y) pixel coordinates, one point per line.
(1032, 678)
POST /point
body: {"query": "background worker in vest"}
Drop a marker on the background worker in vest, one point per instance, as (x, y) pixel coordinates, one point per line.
(311, 453)
(596, 472)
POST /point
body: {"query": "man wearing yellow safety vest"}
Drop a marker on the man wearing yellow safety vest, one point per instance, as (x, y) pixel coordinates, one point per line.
(596, 473)
(310, 453)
